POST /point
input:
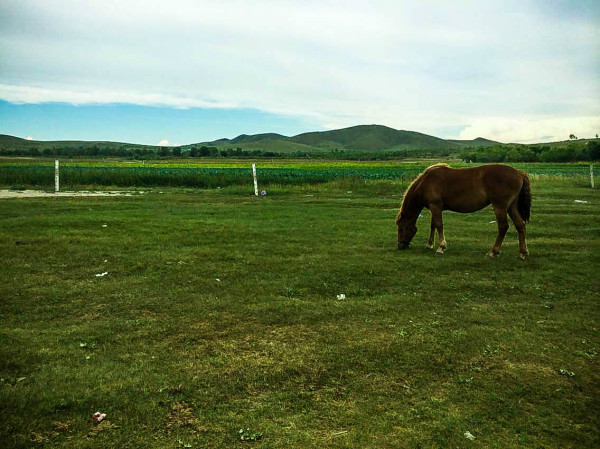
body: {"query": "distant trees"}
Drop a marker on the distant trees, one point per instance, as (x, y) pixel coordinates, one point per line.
(593, 150)
(574, 151)
(73, 151)
(203, 151)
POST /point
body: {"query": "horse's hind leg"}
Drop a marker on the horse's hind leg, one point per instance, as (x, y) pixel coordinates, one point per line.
(431, 234)
(500, 213)
(513, 211)
(437, 223)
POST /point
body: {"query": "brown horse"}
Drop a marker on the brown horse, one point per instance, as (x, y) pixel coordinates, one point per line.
(465, 190)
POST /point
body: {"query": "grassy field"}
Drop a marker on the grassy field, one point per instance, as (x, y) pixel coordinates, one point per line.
(190, 315)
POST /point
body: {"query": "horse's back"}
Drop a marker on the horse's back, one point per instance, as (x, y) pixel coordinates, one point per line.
(502, 180)
(469, 189)
(489, 175)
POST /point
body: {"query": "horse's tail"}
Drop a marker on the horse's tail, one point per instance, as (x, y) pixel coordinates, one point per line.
(524, 202)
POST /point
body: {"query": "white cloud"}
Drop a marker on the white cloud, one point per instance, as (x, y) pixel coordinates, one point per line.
(411, 65)
(163, 143)
(28, 138)
(531, 130)
(31, 94)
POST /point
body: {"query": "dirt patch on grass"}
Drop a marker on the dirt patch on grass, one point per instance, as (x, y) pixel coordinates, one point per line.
(101, 427)
(182, 416)
(4, 194)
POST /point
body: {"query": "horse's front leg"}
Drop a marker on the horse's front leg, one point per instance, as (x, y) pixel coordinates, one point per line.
(437, 223)
(502, 228)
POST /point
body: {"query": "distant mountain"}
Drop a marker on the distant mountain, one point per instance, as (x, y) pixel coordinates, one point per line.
(478, 142)
(355, 138)
(371, 138)
(368, 138)
(6, 139)
(242, 139)
(245, 138)
(11, 142)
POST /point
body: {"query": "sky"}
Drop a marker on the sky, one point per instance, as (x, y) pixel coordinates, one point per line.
(184, 71)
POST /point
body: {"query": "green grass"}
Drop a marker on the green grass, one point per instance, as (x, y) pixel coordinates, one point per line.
(219, 314)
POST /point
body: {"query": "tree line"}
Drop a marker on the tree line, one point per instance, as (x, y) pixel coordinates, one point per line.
(203, 151)
(571, 152)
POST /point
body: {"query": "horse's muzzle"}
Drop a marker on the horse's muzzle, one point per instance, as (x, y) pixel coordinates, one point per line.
(403, 245)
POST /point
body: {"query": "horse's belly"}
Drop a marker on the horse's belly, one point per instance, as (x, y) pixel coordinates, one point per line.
(466, 205)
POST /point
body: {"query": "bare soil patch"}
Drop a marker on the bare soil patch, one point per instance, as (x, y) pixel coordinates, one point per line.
(41, 194)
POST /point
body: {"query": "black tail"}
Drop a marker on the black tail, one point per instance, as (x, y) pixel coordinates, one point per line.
(525, 198)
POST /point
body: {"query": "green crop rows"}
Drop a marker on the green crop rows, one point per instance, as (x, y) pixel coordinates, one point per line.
(71, 175)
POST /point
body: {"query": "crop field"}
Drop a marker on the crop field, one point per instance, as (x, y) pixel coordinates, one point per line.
(219, 174)
(209, 318)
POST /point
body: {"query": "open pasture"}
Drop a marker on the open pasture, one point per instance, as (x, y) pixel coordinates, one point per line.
(189, 315)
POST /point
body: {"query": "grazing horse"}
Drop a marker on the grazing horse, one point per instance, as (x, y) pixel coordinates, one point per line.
(465, 190)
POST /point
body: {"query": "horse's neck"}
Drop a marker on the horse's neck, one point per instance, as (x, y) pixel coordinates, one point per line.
(412, 206)
(412, 214)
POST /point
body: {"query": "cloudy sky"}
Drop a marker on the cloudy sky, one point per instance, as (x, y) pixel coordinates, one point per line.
(183, 71)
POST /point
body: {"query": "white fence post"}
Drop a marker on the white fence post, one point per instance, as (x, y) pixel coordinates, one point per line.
(255, 181)
(56, 186)
(592, 175)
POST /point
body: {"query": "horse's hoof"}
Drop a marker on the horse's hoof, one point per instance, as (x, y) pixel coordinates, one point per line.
(428, 246)
(439, 252)
(492, 255)
(523, 255)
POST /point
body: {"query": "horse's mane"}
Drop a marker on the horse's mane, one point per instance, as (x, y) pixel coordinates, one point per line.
(434, 166)
(414, 184)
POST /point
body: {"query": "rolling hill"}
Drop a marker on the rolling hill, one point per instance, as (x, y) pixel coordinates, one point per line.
(364, 138)
(356, 138)
(478, 142)
(371, 138)
(7, 141)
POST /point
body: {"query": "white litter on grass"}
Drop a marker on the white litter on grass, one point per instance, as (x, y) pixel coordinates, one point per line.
(99, 275)
(218, 280)
(469, 436)
(493, 221)
(104, 226)
(341, 432)
(581, 201)
(341, 297)
(99, 416)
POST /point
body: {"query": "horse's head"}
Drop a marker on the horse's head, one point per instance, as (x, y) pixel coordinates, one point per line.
(406, 232)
